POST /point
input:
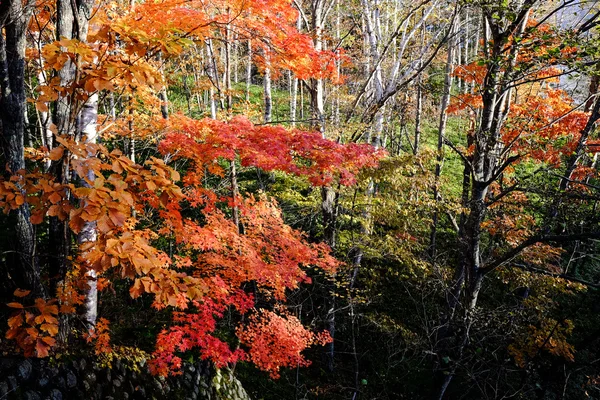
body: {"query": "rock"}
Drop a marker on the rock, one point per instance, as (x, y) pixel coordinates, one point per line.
(3, 390)
(42, 381)
(99, 391)
(7, 364)
(71, 379)
(157, 385)
(12, 383)
(31, 395)
(187, 380)
(55, 394)
(24, 370)
(90, 377)
(59, 382)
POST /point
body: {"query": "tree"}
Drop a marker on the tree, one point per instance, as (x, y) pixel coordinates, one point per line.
(510, 34)
(122, 212)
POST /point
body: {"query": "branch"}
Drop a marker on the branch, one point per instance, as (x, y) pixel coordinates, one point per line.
(287, 121)
(467, 162)
(381, 56)
(514, 252)
(369, 113)
(501, 169)
(555, 275)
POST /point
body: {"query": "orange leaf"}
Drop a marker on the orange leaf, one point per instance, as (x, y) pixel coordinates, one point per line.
(41, 348)
(15, 321)
(49, 341)
(37, 217)
(41, 106)
(21, 292)
(56, 153)
(52, 329)
(117, 217)
(15, 305)
(55, 197)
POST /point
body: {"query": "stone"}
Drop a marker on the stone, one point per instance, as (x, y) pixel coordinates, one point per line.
(31, 395)
(140, 392)
(6, 364)
(90, 377)
(188, 380)
(12, 383)
(55, 394)
(71, 379)
(99, 391)
(3, 390)
(157, 385)
(24, 370)
(59, 382)
(42, 381)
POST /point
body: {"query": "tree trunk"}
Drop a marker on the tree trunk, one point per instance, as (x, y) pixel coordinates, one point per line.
(26, 273)
(440, 145)
(249, 71)
(267, 91)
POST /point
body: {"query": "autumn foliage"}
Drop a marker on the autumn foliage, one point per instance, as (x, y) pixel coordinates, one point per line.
(214, 265)
(214, 258)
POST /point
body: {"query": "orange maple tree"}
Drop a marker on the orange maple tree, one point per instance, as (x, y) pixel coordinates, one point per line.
(216, 265)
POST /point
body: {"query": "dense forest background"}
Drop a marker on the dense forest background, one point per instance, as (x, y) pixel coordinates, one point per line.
(341, 200)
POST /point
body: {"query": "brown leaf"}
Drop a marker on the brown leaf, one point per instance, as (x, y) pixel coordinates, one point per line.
(21, 292)
(56, 153)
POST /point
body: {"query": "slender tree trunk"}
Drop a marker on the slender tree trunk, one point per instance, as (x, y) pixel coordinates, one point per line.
(267, 91)
(162, 94)
(25, 271)
(249, 71)
(88, 127)
(440, 144)
(212, 74)
(87, 130)
(228, 102)
(294, 85)
(294, 101)
(64, 118)
(418, 112)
